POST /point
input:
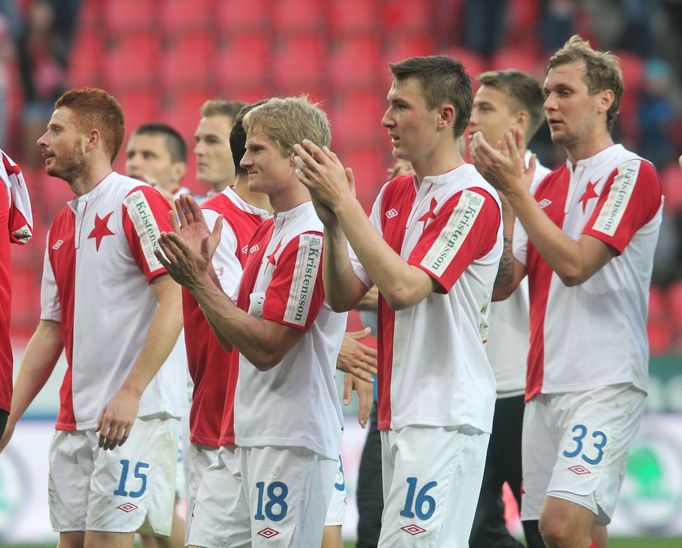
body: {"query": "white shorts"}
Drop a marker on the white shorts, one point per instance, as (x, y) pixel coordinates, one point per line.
(336, 513)
(199, 458)
(575, 447)
(432, 478)
(129, 488)
(220, 515)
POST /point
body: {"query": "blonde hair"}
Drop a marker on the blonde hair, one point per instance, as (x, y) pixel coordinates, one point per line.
(288, 121)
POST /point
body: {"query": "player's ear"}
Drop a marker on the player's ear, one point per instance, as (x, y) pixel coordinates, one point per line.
(446, 115)
(93, 139)
(521, 119)
(604, 100)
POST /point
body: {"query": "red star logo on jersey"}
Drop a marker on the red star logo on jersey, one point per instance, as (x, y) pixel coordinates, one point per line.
(101, 229)
(588, 194)
(271, 257)
(429, 214)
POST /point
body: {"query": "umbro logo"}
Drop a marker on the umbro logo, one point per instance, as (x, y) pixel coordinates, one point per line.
(268, 533)
(579, 469)
(413, 529)
(57, 244)
(127, 507)
(245, 249)
(391, 213)
(544, 203)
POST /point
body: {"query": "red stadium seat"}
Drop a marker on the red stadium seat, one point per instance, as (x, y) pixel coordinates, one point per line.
(633, 78)
(660, 337)
(25, 298)
(369, 165)
(300, 62)
(356, 62)
(472, 61)
(671, 180)
(406, 45)
(674, 297)
(183, 15)
(182, 111)
(356, 118)
(125, 66)
(657, 304)
(400, 16)
(86, 60)
(291, 16)
(140, 107)
(519, 60)
(188, 62)
(243, 61)
(235, 16)
(123, 16)
(353, 17)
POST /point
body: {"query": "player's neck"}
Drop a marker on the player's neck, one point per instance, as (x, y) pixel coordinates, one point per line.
(588, 148)
(442, 160)
(89, 177)
(256, 199)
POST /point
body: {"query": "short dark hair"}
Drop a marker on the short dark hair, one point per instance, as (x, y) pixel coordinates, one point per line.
(443, 80)
(238, 136)
(602, 71)
(96, 109)
(523, 90)
(175, 144)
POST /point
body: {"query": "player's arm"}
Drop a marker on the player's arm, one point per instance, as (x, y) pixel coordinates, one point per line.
(37, 364)
(574, 261)
(401, 284)
(511, 271)
(120, 412)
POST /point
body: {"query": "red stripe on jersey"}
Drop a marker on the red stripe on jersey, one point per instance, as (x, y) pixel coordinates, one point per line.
(257, 248)
(5, 303)
(143, 239)
(553, 191)
(209, 363)
(62, 256)
(396, 204)
(478, 236)
(638, 182)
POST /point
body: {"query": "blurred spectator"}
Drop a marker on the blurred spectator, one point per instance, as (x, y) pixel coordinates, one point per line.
(558, 23)
(485, 27)
(43, 53)
(655, 112)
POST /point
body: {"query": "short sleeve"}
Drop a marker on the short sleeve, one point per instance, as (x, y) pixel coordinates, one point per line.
(50, 307)
(145, 216)
(225, 262)
(630, 199)
(296, 293)
(463, 229)
(520, 242)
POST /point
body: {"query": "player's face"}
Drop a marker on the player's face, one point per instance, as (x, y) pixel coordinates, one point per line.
(148, 159)
(268, 170)
(212, 151)
(63, 145)
(491, 114)
(570, 110)
(410, 124)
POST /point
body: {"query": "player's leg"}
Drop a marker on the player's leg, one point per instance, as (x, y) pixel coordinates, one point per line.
(220, 513)
(102, 539)
(369, 497)
(199, 458)
(288, 492)
(71, 539)
(336, 512)
(436, 473)
(600, 537)
(595, 429)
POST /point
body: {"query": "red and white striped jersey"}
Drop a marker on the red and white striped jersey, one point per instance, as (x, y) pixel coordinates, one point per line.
(295, 403)
(433, 369)
(594, 334)
(208, 361)
(16, 225)
(99, 261)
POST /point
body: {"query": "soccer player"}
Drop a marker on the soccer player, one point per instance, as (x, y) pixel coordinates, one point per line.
(16, 225)
(157, 154)
(107, 302)
(432, 248)
(212, 144)
(281, 433)
(586, 242)
(505, 99)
